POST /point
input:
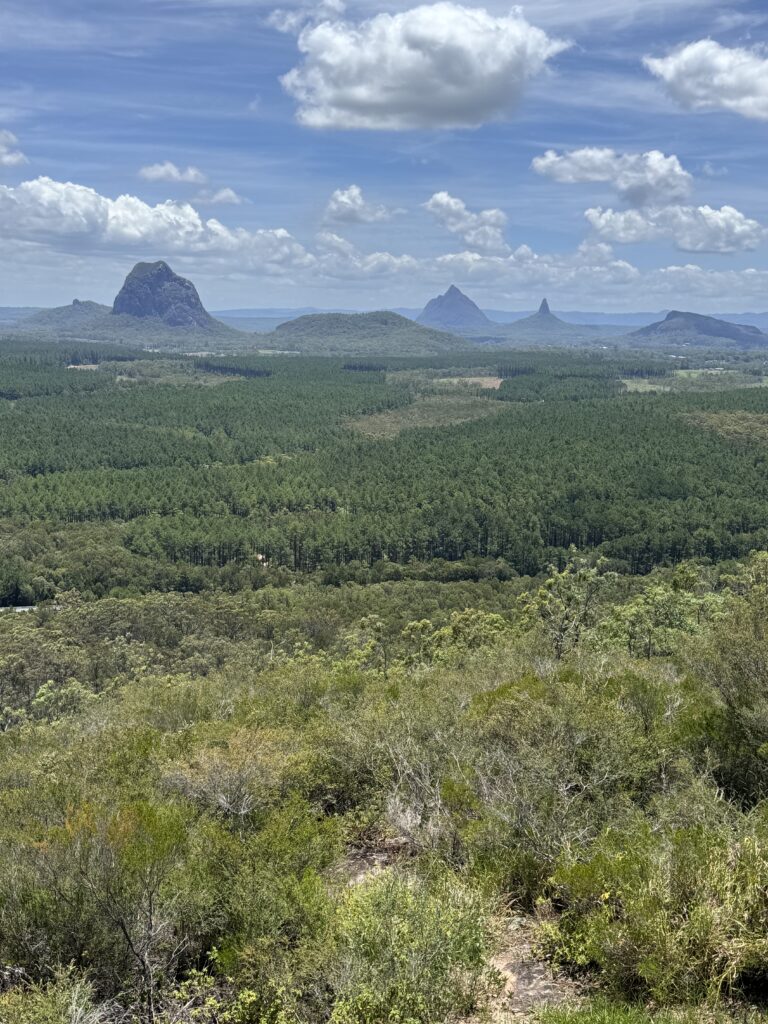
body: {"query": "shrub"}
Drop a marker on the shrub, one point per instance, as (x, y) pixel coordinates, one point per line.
(67, 1000)
(673, 912)
(411, 951)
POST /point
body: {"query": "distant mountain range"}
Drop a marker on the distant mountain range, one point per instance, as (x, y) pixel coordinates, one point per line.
(455, 311)
(157, 308)
(495, 316)
(10, 315)
(543, 327)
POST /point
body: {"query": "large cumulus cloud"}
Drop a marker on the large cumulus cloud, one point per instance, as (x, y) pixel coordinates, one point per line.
(434, 66)
(640, 179)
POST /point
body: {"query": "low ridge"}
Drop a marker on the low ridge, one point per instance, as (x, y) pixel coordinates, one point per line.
(696, 329)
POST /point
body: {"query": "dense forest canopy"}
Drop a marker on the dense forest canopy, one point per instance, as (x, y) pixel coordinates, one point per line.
(191, 471)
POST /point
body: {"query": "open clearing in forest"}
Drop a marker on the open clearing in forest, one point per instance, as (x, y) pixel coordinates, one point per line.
(427, 411)
(492, 383)
(710, 379)
(738, 425)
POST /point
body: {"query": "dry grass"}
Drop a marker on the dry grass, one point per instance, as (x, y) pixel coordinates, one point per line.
(429, 411)
(493, 383)
(738, 426)
(715, 379)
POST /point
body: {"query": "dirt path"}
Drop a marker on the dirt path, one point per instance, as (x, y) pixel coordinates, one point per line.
(529, 982)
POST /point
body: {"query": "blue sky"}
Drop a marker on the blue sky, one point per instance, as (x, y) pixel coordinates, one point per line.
(609, 155)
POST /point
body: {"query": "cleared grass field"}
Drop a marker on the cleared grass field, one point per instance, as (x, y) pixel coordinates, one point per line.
(428, 411)
(713, 379)
(492, 383)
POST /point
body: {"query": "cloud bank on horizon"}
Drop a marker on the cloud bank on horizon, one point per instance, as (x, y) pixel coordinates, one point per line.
(370, 156)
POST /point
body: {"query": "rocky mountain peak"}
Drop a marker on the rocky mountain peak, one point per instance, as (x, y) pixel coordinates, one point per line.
(153, 290)
(452, 311)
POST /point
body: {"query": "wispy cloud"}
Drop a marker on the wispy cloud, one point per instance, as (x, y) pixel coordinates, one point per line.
(10, 155)
(168, 171)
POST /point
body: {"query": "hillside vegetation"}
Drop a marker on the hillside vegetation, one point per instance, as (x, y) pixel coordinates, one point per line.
(311, 693)
(380, 333)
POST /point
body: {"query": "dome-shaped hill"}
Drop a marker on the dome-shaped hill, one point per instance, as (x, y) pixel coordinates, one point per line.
(378, 333)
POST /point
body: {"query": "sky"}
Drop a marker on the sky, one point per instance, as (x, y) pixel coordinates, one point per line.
(608, 155)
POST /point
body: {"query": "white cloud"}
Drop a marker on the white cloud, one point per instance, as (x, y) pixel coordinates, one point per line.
(294, 19)
(73, 218)
(591, 267)
(438, 66)
(627, 226)
(170, 172)
(9, 155)
(330, 242)
(339, 259)
(349, 206)
(640, 179)
(482, 232)
(652, 185)
(707, 76)
(692, 228)
(83, 237)
(220, 197)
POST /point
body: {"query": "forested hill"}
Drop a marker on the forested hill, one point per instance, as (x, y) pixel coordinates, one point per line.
(679, 328)
(381, 333)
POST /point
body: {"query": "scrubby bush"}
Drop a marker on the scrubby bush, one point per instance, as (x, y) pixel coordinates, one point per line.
(410, 951)
(66, 1000)
(673, 909)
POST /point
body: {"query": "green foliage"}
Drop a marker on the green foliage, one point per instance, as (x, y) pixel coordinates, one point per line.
(565, 606)
(603, 1012)
(410, 951)
(677, 911)
(67, 1000)
(225, 486)
(298, 709)
(656, 621)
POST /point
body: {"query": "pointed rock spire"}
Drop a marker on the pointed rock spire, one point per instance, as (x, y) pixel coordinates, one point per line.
(544, 309)
(453, 311)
